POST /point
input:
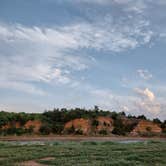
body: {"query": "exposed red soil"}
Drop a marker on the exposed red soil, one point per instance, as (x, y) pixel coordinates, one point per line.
(85, 125)
(144, 126)
(79, 124)
(11, 125)
(105, 123)
(36, 124)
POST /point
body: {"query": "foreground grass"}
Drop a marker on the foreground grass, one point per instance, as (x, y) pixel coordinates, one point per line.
(86, 153)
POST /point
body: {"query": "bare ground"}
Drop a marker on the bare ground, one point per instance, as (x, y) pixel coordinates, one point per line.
(78, 138)
(30, 163)
(35, 163)
(47, 158)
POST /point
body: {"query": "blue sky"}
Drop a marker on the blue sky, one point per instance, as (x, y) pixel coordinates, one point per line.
(80, 53)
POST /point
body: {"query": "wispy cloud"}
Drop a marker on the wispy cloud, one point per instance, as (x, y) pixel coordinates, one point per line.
(22, 87)
(145, 74)
(45, 54)
(39, 55)
(33, 57)
(107, 99)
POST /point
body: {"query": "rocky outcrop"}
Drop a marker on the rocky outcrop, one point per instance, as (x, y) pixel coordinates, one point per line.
(145, 126)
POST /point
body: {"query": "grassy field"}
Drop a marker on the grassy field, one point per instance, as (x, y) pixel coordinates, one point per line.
(151, 153)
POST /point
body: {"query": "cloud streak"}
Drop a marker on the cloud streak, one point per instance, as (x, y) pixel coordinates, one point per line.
(45, 54)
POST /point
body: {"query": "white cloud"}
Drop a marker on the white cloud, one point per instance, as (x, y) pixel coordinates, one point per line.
(44, 54)
(112, 37)
(21, 86)
(103, 98)
(125, 109)
(36, 55)
(128, 5)
(147, 102)
(22, 107)
(136, 3)
(107, 99)
(146, 93)
(149, 107)
(102, 93)
(101, 2)
(145, 74)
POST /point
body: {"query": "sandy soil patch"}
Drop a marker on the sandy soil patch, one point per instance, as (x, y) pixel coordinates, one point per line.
(30, 163)
(47, 158)
(35, 163)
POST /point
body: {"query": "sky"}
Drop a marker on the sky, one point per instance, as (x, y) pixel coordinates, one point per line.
(81, 53)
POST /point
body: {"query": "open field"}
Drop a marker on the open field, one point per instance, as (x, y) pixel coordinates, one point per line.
(83, 153)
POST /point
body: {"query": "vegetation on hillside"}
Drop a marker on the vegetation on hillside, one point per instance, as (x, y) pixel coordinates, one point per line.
(53, 121)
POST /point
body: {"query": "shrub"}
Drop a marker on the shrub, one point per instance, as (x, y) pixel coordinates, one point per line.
(19, 131)
(57, 128)
(105, 124)
(70, 130)
(119, 128)
(95, 123)
(149, 129)
(30, 130)
(45, 130)
(148, 134)
(79, 132)
(103, 132)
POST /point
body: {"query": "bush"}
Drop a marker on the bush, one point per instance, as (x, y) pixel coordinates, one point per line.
(118, 131)
(119, 128)
(149, 129)
(13, 131)
(164, 130)
(103, 132)
(148, 134)
(20, 131)
(30, 130)
(70, 130)
(79, 132)
(45, 130)
(95, 123)
(57, 128)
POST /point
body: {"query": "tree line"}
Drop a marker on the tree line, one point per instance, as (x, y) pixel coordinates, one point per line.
(53, 121)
